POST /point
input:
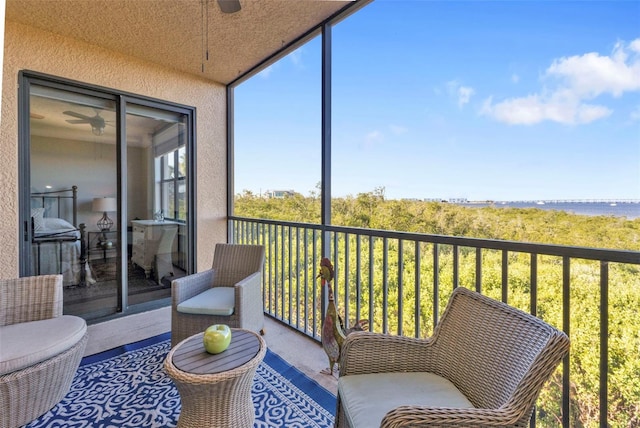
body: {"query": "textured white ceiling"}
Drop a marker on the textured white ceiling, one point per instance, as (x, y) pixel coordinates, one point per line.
(173, 33)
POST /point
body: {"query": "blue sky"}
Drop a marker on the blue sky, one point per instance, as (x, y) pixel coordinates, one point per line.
(505, 100)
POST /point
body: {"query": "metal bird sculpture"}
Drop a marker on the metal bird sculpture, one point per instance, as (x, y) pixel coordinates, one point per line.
(333, 330)
(332, 335)
(360, 325)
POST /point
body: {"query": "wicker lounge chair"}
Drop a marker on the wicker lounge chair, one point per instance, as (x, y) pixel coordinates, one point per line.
(41, 348)
(229, 293)
(484, 366)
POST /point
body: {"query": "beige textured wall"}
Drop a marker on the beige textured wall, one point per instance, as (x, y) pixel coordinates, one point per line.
(28, 48)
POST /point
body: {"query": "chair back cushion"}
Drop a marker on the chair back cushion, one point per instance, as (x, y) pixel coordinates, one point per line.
(214, 301)
(234, 262)
(493, 352)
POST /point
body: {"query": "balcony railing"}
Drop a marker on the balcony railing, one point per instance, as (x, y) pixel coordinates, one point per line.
(401, 282)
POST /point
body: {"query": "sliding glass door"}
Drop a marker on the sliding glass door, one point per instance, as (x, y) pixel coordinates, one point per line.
(106, 194)
(157, 201)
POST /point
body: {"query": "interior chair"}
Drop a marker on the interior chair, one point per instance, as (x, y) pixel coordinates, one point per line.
(484, 366)
(40, 347)
(229, 293)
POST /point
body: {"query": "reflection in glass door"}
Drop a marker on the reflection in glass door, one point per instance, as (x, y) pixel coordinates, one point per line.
(73, 197)
(104, 203)
(157, 201)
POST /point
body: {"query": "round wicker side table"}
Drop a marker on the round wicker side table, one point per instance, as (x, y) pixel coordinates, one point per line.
(215, 390)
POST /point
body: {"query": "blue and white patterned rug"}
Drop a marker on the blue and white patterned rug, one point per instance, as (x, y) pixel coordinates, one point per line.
(128, 387)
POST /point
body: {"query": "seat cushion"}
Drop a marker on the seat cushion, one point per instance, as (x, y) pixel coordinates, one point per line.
(28, 343)
(214, 301)
(367, 398)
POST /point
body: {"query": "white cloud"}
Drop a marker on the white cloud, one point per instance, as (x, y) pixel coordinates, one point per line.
(373, 138)
(535, 109)
(462, 93)
(591, 74)
(635, 114)
(264, 74)
(376, 137)
(586, 113)
(296, 57)
(574, 80)
(398, 130)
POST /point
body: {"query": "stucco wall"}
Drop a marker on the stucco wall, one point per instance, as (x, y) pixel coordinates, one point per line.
(28, 48)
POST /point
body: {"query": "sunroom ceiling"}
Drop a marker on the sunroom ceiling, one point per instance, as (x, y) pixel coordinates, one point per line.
(176, 33)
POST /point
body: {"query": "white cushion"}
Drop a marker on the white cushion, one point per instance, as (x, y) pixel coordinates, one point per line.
(367, 398)
(214, 301)
(28, 343)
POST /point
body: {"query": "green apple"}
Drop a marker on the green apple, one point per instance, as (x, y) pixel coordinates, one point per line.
(217, 338)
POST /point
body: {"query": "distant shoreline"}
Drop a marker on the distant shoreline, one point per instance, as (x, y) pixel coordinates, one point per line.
(558, 201)
(629, 209)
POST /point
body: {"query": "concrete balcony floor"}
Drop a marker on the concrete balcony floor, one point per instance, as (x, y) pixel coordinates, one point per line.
(299, 350)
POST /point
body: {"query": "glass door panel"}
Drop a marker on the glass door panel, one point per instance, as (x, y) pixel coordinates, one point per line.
(156, 213)
(73, 197)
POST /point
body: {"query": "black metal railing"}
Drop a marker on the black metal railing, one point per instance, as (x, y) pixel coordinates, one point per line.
(401, 282)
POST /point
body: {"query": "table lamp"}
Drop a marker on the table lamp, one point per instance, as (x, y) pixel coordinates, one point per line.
(105, 205)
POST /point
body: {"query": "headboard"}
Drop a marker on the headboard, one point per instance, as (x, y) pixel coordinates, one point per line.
(57, 203)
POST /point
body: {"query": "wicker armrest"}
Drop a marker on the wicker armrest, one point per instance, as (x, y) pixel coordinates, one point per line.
(191, 285)
(248, 294)
(31, 298)
(420, 416)
(365, 352)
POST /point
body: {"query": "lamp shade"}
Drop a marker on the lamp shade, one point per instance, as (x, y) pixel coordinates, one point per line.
(104, 205)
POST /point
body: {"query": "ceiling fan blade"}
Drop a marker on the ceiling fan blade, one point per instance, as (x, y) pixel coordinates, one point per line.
(229, 6)
(78, 115)
(36, 116)
(75, 121)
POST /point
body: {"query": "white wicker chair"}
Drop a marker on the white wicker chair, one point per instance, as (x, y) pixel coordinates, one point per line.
(484, 366)
(236, 269)
(35, 374)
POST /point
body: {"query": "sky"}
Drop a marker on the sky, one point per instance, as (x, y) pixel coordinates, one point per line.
(483, 100)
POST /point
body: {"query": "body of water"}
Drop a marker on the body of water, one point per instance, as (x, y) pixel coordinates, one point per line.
(630, 210)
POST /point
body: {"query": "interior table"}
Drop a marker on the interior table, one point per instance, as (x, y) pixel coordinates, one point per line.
(215, 389)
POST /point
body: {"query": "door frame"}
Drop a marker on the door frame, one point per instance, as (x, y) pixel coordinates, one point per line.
(25, 79)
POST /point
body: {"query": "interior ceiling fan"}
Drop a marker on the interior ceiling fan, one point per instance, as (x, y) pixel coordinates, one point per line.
(97, 122)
